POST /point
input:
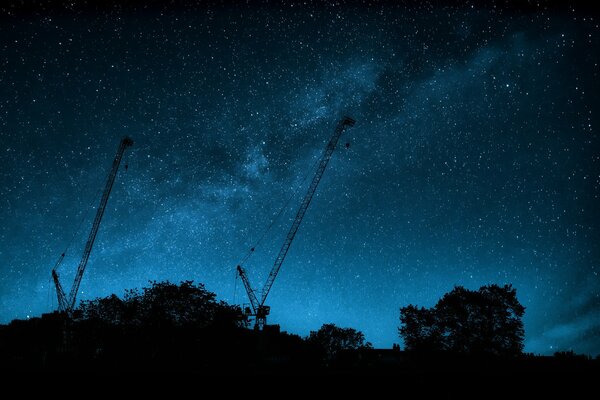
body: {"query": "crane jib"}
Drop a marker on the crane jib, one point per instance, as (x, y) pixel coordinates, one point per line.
(67, 303)
(260, 311)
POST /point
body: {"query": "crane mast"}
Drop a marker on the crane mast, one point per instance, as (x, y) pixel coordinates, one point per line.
(259, 310)
(251, 295)
(66, 304)
(60, 293)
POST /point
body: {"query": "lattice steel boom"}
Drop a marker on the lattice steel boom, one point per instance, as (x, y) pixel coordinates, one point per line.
(259, 309)
(66, 304)
(345, 122)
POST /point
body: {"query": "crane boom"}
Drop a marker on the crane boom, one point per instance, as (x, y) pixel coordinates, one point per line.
(68, 303)
(341, 127)
(259, 310)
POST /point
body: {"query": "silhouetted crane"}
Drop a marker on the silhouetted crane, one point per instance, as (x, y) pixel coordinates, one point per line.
(66, 304)
(258, 308)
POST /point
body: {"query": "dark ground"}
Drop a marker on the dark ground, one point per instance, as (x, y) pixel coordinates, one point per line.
(50, 344)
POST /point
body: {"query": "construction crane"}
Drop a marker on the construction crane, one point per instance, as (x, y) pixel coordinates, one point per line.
(66, 304)
(257, 308)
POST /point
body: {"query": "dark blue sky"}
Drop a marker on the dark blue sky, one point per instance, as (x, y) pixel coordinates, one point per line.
(474, 159)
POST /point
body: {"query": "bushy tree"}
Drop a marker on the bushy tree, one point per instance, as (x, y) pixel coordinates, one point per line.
(419, 328)
(163, 304)
(488, 320)
(331, 339)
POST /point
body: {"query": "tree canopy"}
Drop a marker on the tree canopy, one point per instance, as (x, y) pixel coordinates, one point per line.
(331, 339)
(162, 304)
(488, 320)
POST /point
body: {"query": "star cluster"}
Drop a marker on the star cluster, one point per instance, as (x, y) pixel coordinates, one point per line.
(474, 159)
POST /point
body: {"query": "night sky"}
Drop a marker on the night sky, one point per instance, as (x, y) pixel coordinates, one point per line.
(475, 157)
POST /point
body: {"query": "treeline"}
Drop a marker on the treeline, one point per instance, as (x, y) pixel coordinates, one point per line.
(164, 326)
(167, 326)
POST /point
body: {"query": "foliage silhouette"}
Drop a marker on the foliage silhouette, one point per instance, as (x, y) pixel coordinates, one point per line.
(331, 339)
(163, 304)
(488, 320)
(183, 327)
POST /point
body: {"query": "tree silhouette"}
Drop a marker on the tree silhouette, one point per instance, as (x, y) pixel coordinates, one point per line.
(163, 304)
(419, 329)
(331, 339)
(488, 320)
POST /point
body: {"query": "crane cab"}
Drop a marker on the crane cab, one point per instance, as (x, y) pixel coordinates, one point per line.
(263, 311)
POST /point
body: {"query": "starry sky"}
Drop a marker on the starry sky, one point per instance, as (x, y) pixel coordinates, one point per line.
(474, 160)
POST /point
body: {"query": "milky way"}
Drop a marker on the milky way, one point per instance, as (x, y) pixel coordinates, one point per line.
(474, 159)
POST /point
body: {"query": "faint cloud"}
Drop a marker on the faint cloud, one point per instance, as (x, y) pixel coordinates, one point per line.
(575, 328)
(579, 333)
